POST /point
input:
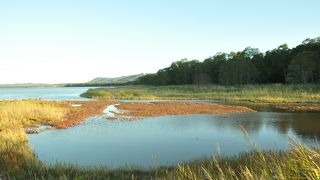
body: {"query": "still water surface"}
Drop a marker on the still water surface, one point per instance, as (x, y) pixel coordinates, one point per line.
(171, 139)
(47, 93)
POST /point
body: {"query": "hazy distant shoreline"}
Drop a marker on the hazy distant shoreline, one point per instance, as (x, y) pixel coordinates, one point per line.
(30, 85)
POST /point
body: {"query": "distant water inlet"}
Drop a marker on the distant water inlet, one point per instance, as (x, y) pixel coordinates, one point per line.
(47, 93)
(168, 140)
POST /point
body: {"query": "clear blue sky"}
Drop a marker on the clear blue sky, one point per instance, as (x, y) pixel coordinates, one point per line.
(53, 41)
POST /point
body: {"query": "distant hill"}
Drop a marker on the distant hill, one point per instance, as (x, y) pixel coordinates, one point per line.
(122, 79)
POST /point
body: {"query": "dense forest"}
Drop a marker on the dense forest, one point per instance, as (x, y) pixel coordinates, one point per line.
(250, 66)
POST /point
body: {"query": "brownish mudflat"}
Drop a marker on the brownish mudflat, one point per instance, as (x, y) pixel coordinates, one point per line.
(80, 110)
(142, 109)
(298, 107)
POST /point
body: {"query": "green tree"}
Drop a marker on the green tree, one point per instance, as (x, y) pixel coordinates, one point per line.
(276, 64)
(303, 67)
(238, 70)
(298, 65)
(211, 67)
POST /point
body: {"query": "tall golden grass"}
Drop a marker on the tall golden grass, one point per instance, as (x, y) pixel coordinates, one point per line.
(300, 162)
(28, 113)
(14, 116)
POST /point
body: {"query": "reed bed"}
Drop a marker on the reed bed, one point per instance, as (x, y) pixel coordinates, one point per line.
(29, 113)
(273, 93)
(17, 115)
(14, 116)
(300, 162)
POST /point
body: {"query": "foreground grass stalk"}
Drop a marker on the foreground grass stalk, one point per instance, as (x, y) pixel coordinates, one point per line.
(300, 162)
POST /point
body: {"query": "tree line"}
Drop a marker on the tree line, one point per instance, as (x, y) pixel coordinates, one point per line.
(250, 66)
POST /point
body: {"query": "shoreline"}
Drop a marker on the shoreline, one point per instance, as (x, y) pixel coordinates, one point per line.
(64, 113)
(256, 106)
(290, 98)
(80, 111)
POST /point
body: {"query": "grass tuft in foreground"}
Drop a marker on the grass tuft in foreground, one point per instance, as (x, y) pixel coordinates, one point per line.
(14, 116)
(300, 162)
(17, 115)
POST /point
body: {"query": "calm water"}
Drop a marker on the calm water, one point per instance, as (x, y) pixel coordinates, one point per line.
(171, 139)
(47, 93)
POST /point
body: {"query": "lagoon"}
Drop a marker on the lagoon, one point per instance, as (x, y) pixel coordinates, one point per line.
(168, 140)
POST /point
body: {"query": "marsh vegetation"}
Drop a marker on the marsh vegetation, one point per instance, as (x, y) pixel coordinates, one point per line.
(17, 115)
(278, 96)
(151, 109)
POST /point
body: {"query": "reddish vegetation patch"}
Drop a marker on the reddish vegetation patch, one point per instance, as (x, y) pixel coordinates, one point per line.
(298, 107)
(177, 108)
(80, 110)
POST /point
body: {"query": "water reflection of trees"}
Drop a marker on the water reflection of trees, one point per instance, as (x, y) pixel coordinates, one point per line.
(306, 125)
(252, 122)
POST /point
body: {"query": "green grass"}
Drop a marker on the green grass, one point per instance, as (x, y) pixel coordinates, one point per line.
(274, 93)
(298, 163)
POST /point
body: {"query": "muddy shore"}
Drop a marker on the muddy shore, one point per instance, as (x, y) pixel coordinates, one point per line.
(80, 110)
(151, 109)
